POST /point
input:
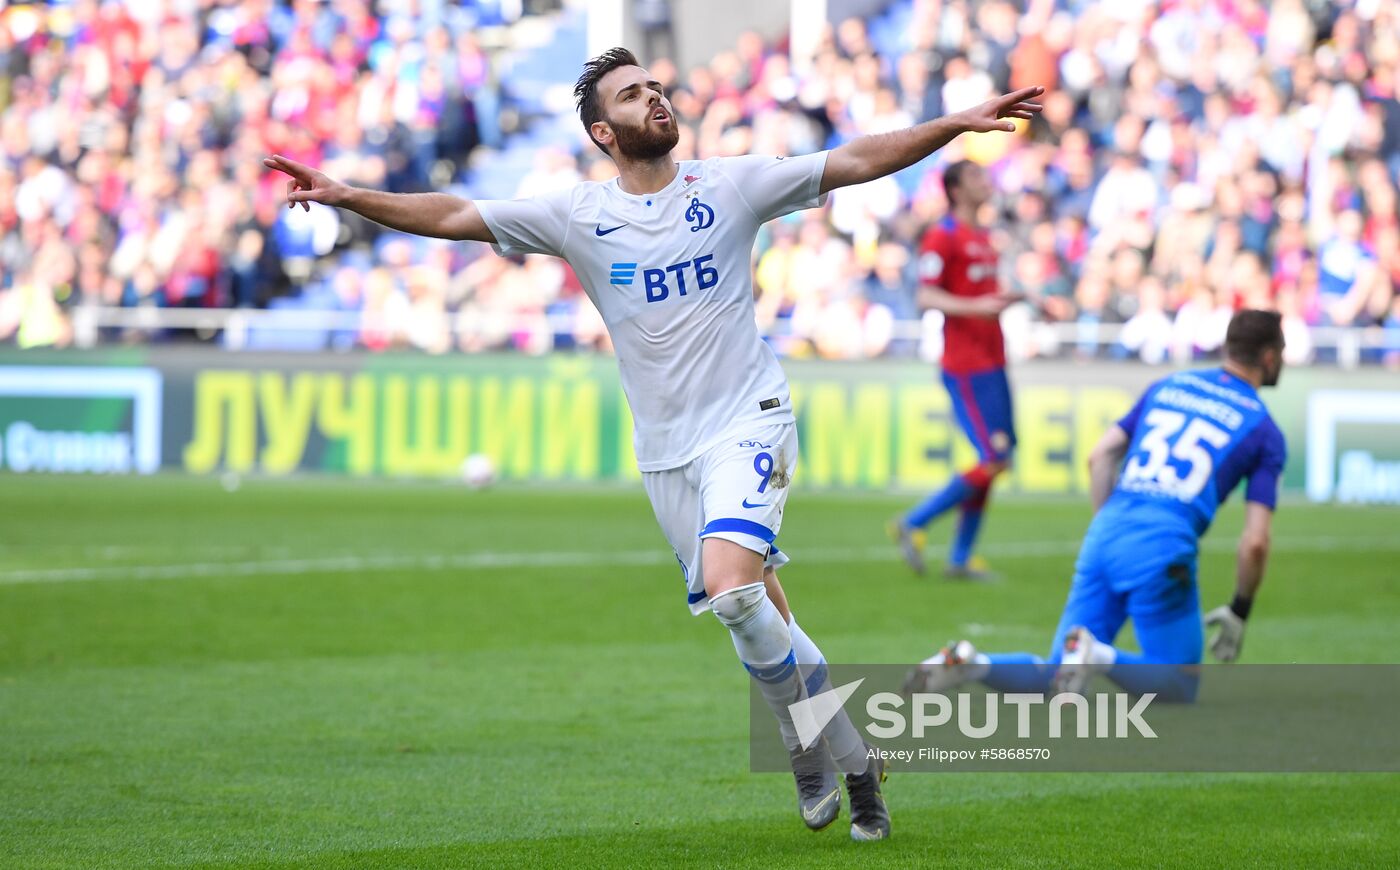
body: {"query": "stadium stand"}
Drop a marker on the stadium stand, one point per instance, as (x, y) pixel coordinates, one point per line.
(1241, 159)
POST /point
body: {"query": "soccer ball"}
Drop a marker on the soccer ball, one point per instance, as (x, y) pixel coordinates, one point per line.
(478, 471)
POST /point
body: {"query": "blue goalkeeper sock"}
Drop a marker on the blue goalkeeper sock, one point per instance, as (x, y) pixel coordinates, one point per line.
(969, 522)
(1170, 682)
(952, 495)
(1018, 672)
(1167, 665)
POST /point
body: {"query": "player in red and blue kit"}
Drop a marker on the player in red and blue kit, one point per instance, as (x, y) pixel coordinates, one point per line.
(958, 276)
(1189, 441)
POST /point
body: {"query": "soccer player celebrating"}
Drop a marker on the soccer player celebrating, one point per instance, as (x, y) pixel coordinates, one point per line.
(1189, 441)
(663, 252)
(958, 276)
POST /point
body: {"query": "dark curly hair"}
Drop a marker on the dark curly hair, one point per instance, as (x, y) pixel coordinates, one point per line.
(590, 106)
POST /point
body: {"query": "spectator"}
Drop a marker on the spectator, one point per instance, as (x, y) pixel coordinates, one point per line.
(1148, 332)
(658, 37)
(1250, 155)
(889, 289)
(1345, 266)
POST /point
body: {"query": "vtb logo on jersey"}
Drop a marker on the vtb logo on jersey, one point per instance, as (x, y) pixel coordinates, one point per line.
(683, 277)
(699, 214)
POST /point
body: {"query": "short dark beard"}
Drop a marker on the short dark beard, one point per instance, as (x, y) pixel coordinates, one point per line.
(645, 143)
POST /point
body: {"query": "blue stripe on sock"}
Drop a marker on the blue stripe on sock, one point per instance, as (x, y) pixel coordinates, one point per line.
(746, 527)
(816, 678)
(775, 673)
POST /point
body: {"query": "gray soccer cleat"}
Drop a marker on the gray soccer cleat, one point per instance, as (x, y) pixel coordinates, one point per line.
(818, 791)
(870, 819)
(910, 542)
(942, 671)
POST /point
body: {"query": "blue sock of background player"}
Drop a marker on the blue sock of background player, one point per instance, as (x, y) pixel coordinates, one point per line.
(968, 492)
(947, 498)
(969, 524)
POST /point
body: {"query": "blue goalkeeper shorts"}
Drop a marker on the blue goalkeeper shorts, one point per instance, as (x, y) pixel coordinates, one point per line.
(1137, 566)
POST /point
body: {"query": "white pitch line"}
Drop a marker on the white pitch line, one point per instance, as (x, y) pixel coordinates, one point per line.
(498, 560)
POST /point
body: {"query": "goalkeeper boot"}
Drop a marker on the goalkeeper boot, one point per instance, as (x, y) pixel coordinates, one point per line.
(818, 790)
(1078, 663)
(870, 819)
(911, 543)
(944, 670)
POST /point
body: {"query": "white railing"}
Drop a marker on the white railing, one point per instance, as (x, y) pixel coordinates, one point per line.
(1345, 345)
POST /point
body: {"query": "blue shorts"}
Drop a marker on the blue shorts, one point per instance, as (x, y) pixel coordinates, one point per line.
(1143, 569)
(982, 403)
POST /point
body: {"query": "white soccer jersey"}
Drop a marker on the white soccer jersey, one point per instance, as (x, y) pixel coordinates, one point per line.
(670, 273)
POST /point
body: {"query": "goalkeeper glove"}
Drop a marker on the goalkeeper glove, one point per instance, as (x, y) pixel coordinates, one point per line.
(1230, 638)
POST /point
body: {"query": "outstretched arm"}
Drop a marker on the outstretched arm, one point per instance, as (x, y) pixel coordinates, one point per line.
(870, 157)
(440, 215)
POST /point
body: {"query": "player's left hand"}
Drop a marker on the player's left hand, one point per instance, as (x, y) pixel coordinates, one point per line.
(990, 116)
(1230, 638)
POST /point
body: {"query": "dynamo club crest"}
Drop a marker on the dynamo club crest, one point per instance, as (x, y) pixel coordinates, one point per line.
(700, 216)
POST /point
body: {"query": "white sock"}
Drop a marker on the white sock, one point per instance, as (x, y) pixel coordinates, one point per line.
(764, 645)
(978, 666)
(842, 739)
(1102, 655)
(974, 669)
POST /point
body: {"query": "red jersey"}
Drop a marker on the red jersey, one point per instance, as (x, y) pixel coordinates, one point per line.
(960, 260)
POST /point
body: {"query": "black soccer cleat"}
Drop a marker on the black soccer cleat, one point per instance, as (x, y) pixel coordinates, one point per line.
(870, 818)
(818, 790)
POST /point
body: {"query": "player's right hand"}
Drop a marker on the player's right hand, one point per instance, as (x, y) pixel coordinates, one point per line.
(307, 185)
(1226, 644)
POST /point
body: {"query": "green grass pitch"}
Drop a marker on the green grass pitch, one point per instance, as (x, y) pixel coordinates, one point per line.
(319, 673)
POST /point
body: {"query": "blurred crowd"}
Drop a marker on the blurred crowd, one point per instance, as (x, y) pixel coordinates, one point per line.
(1194, 157)
(131, 138)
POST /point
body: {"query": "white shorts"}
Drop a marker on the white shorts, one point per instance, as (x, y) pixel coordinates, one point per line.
(735, 490)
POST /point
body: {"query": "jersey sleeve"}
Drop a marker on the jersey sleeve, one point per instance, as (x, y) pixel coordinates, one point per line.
(536, 225)
(1263, 479)
(774, 186)
(1128, 422)
(933, 259)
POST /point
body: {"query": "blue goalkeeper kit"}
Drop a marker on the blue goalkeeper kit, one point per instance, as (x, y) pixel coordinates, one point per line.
(1195, 436)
